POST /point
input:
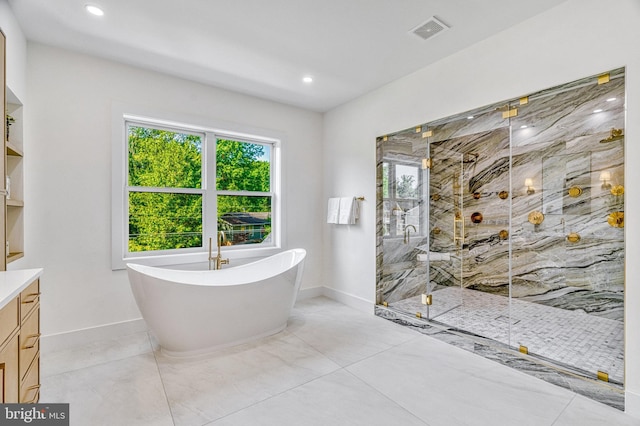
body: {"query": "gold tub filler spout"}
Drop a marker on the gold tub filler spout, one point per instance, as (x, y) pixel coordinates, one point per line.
(407, 237)
(217, 262)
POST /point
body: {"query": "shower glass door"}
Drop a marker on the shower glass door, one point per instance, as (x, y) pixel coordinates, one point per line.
(446, 236)
(469, 218)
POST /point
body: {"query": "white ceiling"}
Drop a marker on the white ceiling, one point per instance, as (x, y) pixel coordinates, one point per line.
(265, 47)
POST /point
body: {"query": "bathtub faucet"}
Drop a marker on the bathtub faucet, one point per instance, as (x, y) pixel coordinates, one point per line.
(407, 238)
(218, 260)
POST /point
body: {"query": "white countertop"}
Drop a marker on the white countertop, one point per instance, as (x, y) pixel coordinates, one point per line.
(13, 282)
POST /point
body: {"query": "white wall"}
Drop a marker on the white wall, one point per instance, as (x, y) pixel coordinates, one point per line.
(16, 51)
(576, 39)
(68, 175)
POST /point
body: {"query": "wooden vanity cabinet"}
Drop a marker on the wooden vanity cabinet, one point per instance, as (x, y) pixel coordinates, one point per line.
(20, 347)
(9, 354)
(29, 358)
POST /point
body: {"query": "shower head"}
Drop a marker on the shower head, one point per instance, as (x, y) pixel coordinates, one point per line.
(616, 135)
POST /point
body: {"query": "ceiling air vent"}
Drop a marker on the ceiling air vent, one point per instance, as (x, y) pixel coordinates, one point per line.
(430, 28)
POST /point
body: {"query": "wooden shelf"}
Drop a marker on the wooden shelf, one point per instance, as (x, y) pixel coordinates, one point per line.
(13, 150)
(14, 203)
(14, 256)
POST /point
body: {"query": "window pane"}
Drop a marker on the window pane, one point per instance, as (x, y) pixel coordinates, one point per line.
(164, 221)
(164, 159)
(244, 220)
(242, 166)
(406, 181)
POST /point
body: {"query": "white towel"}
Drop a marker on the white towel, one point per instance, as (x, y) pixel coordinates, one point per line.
(332, 210)
(349, 211)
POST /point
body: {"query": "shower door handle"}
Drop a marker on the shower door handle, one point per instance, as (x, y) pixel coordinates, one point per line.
(458, 229)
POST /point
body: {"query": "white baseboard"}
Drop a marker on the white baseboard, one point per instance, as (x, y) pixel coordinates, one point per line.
(632, 404)
(310, 293)
(70, 339)
(350, 300)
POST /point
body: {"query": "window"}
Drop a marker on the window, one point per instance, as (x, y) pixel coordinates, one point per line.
(164, 188)
(244, 198)
(401, 186)
(184, 184)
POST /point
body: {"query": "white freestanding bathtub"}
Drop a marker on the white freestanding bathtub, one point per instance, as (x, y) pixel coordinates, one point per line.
(194, 312)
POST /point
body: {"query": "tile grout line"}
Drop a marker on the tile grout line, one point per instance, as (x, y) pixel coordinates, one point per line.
(575, 395)
(379, 392)
(164, 389)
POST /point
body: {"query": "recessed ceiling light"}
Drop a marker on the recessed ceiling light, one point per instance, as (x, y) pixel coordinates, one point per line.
(307, 79)
(94, 10)
(611, 99)
(595, 111)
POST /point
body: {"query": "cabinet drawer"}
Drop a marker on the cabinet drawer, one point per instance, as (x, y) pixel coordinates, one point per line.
(8, 319)
(30, 387)
(29, 340)
(29, 298)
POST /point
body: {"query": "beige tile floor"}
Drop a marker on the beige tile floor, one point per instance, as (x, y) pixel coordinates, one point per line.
(332, 366)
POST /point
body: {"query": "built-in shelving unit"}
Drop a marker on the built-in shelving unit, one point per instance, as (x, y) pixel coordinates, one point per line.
(15, 180)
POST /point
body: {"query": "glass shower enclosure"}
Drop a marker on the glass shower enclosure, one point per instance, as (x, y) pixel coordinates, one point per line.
(506, 222)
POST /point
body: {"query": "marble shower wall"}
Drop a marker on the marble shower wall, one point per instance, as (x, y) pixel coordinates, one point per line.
(573, 258)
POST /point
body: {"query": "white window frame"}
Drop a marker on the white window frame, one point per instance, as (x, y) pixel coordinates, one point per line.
(212, 131)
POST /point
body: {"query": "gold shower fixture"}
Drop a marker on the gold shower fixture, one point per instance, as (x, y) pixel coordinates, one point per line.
(617, 190)
(575, 191)
(573, 237)
(528, 182)
(616, 219)
(605, 177)
(536, 217)
(616, 135)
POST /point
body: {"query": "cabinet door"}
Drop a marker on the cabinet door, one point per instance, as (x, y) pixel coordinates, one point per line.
(3, 205)
(9, 372)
